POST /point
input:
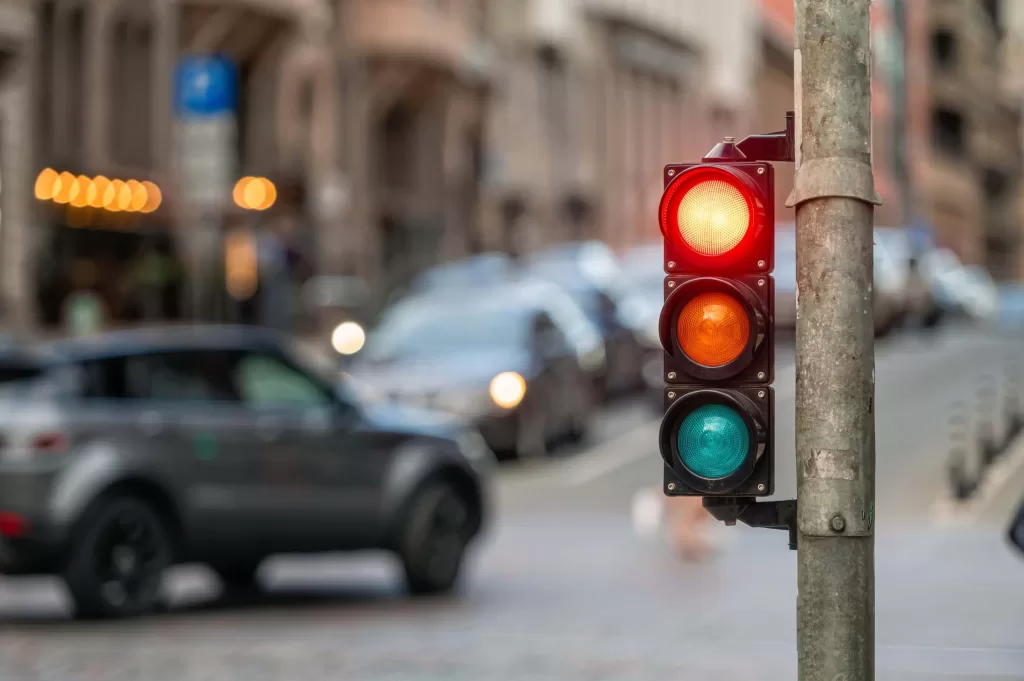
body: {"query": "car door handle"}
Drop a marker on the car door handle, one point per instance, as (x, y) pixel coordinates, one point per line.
(152, 423)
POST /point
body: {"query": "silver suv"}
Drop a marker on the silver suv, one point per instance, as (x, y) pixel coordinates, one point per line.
(129, 452)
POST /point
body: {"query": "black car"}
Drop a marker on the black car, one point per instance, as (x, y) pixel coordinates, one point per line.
(644, 275)
(590, 273)
(128, 452)
(519, 361)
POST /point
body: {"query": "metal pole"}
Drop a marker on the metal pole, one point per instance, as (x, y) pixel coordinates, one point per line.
(834, 197)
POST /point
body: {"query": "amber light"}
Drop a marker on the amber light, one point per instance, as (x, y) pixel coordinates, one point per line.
(80, 191)
(713, 329)
(713, 217)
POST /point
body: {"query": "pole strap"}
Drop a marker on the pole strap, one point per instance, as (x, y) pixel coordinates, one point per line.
(834, 177)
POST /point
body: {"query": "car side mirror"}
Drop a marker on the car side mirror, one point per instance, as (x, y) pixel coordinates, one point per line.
(1016, 532)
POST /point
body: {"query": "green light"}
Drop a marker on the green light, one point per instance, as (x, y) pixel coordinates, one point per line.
(713, 441)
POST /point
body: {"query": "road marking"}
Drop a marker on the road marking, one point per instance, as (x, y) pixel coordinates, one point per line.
(949, 512)
(636, 443)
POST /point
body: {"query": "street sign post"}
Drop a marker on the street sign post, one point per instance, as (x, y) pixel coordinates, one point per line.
(207, 160)
(834, 196)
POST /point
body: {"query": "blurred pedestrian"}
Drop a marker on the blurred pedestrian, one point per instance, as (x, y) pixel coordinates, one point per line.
(84, 312)
(275, 277)
(687, 525)
(682, 521)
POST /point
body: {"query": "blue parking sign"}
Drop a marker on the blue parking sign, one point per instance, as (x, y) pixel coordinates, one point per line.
(204, 86)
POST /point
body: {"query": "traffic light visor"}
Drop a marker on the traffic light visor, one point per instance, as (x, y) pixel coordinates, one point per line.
(713, 441)
(713, 329)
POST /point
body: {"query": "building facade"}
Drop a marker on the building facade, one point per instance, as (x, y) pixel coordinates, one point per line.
(18, 51)
(775, 95)
(416, 81)
(594, 97)
(964, 131)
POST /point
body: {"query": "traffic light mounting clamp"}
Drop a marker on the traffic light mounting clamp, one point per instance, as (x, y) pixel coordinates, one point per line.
(773, 147)
(772, 515)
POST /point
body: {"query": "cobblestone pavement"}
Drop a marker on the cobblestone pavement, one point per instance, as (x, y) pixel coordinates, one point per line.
(565, 590)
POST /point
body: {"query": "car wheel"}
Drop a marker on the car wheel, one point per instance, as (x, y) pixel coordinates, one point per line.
(434, 539)
(116, 564)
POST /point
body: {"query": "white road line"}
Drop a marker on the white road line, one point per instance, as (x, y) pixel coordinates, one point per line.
(635, 444)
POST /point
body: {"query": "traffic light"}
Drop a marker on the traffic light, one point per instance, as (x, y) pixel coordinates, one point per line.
(716, 327)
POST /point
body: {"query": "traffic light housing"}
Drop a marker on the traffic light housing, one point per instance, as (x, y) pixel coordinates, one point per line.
(717, 327)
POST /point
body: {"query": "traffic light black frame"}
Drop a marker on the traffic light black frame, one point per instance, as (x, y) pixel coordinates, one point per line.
(756, 405)
(776, 147)
(756, 182)
(756, 363)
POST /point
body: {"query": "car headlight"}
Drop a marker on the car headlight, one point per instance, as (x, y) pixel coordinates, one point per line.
(348, 338)
(508, 389)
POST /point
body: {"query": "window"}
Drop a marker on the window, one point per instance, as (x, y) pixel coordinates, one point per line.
(264, 381)
(948, 131)
(187, 376)
(944, 49)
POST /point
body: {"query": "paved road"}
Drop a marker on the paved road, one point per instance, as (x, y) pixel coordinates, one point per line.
(564, 589)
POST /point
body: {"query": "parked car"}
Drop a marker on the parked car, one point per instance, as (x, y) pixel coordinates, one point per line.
(484, 269)
(963, 291)
(590, 273)
(785, 277)
(889, 285)
(644, 273)
(520, 361)
(980, 294)
(128, 452)
(1011, 306)
(920, 306)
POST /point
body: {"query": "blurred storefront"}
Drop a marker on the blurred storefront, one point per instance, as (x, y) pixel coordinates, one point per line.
(127, 90)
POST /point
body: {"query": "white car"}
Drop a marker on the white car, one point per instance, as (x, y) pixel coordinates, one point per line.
(968, 290)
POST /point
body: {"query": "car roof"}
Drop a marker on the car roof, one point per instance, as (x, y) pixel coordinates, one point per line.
(158, 339)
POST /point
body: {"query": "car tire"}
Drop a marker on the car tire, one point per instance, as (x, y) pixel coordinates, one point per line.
(115, 566)
(434, 539)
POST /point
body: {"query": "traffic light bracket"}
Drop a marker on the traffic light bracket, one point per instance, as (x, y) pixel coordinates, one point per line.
(772, 147)
(772, 515)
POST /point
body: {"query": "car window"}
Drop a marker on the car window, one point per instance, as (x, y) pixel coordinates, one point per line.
(432, 330)
(578, 330)
(185, 376)
(22, 380)
(263, 381)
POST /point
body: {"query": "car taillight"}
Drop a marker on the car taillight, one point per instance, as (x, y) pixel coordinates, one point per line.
(50, 443)
(12, 524)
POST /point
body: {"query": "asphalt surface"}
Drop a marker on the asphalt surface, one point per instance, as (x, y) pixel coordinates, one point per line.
(564, 588)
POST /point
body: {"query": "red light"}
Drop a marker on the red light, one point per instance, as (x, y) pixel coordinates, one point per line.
(48, 443)
(12, 524)
(711, 212)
